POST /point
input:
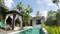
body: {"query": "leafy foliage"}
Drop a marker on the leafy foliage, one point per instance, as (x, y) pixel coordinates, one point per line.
(56, 2)
(3, 9)
(19, 6)
(52, 14)
(24, 11)
(37, 14)
(51, 18)
(52, 29)
(28, 9)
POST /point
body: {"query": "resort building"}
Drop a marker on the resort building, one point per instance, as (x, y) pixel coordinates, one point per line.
(13, 19)
(38, 20)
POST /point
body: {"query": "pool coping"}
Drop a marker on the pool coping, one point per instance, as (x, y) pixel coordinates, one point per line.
(20, 30)
(45, 31)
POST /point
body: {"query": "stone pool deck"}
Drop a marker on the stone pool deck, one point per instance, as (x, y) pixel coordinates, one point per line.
(24, 28)
(14, 31)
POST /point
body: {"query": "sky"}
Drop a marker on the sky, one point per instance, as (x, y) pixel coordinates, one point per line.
(43, 6)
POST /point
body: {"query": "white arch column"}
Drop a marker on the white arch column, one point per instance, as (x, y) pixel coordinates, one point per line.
(5, 21)
(11, 16)
(21, 22)
(15, 19)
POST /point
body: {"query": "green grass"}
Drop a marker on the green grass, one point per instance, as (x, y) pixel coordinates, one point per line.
(52, 29)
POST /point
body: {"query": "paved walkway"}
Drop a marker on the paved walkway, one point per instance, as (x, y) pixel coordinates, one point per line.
(4, 32)
(24, 28)
(10, 32)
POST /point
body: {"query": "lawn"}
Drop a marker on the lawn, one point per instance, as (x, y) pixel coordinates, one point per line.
(52, 29)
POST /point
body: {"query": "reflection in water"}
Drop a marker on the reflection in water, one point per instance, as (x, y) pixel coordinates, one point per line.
(26, 32)
(33, 31)
(30, 30)
(41, 31)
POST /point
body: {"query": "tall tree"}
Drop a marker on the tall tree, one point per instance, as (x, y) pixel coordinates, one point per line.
(51, 18)
(1, 2)
(52, 14)
(24, 11)
(19, 6)
(38, 13)
(3, 9)
(28, 9)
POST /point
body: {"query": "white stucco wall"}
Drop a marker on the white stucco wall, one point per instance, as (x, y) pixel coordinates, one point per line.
(20, 19)
(36, 25)
(34, 22)
(11, 16)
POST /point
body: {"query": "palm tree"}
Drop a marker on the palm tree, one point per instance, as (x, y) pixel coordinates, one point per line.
(3, 9)
(58, 13)
(51, 18)
(28, 9)
(56, 2)
(20, 6)
(1, 2)
(24, 12)
(37, 14)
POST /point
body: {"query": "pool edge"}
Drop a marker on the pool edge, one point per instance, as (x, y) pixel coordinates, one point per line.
(45, 31)
(20, 30)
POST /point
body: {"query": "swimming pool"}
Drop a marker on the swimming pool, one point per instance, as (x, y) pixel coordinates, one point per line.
(32, 31)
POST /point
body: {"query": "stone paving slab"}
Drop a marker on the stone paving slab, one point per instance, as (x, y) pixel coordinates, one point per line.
(6, 32)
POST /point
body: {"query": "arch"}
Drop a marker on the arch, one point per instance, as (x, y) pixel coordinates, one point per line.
(38, 21)
(11, 16)
(8, 20)
(17, 22)
(19, 19)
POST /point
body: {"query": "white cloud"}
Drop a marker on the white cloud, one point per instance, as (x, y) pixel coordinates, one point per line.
(49, 2)
(38, 1)
(8, 3)
(44, 13)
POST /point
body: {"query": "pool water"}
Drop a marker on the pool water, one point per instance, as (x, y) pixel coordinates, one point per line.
(32, 31)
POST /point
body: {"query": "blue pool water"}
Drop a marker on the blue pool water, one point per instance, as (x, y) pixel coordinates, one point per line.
(32, 31)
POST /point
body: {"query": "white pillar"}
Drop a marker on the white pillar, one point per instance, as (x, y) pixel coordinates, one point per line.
(21, 22)
(5, 20)
(5, 23)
